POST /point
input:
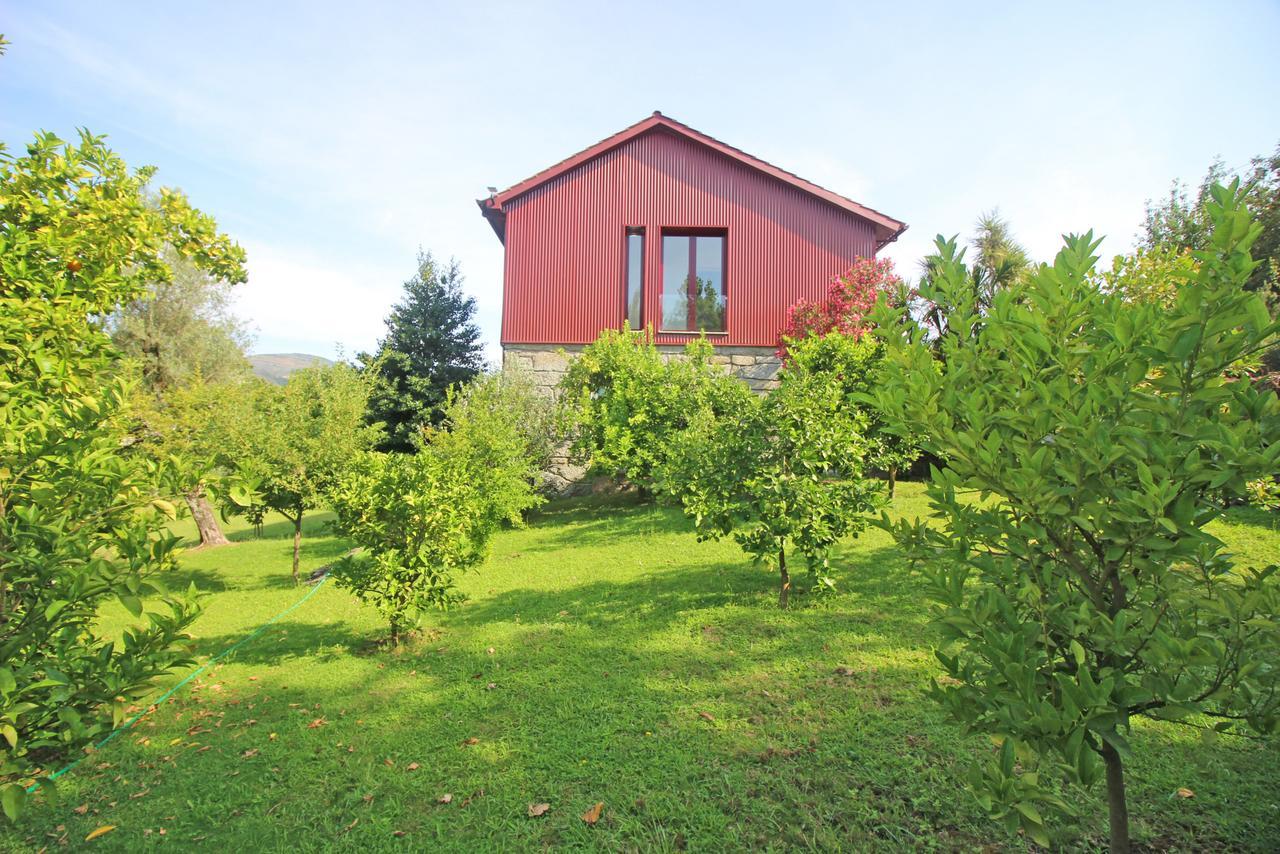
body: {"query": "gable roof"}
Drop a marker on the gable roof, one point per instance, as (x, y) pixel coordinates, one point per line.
(887, 228)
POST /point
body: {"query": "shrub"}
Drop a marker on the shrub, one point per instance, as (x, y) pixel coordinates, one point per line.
(778, 473)
(625, 404)
(1080, 589)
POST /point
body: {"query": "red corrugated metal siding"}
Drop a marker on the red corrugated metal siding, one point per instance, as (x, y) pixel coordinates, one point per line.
(565, 244)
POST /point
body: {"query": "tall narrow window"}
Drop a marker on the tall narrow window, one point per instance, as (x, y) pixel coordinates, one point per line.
(693, 282)
(635, 277)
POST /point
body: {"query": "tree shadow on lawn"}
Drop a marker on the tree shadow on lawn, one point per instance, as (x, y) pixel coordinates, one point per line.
(313, 525)
(683, 699)
(574, 526)
(288, 640)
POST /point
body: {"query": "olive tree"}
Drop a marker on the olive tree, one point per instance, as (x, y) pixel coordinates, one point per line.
(1089, 440)
(775, 474)
(81, 523)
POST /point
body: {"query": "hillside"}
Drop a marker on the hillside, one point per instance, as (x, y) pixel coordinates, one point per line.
(276, 367)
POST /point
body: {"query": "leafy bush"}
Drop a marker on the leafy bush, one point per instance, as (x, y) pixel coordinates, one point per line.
(80, 522)
(421, 519)
(1081, 590)
(625, 404)
(776, 473)
(853, 364)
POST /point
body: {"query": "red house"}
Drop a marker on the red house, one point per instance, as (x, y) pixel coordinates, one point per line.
(672, 230)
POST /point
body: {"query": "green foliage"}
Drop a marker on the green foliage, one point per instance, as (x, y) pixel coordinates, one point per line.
(422, 519)
(80, 522)
(1183, 221)
(853, 364)
(287, 446)
(778, 473)
(182, 331)
(432, 344)
(509, 429)
(1150, 275)
(626, 404)
(1089, 440)
(999, 263)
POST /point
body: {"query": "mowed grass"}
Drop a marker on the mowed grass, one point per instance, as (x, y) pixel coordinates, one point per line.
(604, 656)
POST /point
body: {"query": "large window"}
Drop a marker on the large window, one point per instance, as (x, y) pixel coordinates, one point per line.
(635, 277)
(693, 288)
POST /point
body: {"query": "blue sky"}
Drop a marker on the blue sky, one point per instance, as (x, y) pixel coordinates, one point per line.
(334, 139)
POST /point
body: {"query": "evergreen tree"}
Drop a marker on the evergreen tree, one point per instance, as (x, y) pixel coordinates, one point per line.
(432, 343)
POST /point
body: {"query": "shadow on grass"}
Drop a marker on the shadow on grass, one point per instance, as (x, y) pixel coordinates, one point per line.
(313, 525)
(286, 640)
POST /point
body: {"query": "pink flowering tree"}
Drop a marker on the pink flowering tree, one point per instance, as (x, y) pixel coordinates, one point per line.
(827, 338)
(849, 300)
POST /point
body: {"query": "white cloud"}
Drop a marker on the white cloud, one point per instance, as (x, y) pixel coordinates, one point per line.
(298, 300)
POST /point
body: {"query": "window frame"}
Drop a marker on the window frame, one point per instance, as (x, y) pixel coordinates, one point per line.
(691, 274)
(627, 233)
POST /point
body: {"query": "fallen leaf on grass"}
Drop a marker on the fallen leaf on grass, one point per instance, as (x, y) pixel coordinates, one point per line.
(99, 831)
(271, 737)
(466, 742)
(491, 686)
(490, 650)
(1184, 792)
(706, 716)
(592, 815)
(536, 810)
(397, 833)
(141, 794)
(81, 810)
(390, 763)
(318, 722)
(844, 670)
(412, 766)
(446, 798)
(354, 822)
(251, 752)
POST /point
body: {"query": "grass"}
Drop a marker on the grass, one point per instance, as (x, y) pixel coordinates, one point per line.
(604, 655)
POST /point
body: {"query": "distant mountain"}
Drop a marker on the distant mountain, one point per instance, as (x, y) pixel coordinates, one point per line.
(276, 367)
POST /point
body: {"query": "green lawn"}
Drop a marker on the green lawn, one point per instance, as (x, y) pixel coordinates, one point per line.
(604, 655)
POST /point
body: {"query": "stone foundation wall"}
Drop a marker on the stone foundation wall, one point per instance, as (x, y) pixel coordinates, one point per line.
(546, 364)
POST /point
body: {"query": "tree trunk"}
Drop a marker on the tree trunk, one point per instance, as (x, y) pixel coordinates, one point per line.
(297, 544)
(893, 480)
(785, 589)
(206, 520)
(1116, 803)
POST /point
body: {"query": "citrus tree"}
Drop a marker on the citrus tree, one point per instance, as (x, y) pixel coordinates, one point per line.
(422, 519)
(81, 522)
(852, 364)
(286, 447)
(776, 474)
(1089, 440)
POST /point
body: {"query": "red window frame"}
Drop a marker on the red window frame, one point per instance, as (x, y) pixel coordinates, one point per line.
(691, 278)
